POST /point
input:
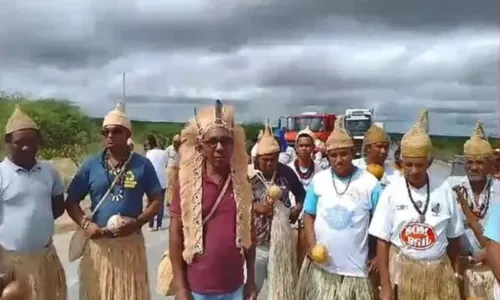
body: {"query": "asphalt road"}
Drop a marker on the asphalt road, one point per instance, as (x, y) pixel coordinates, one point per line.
(156, 243)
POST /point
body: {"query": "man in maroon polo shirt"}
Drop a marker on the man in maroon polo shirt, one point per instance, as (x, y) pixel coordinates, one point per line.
(211, 220)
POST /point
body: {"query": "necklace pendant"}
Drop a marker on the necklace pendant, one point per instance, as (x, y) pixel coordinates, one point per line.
(422, 218)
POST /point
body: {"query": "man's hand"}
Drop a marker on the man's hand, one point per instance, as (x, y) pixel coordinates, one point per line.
(480, 257)
(372, 266)
(250, 291)
(93, 231)
(295, 214)
(263, 208)
(183, 294)
(386, 293)
(127, 227)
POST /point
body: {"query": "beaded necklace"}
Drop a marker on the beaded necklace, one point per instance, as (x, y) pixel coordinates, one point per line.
(113, 171)
(304, 175)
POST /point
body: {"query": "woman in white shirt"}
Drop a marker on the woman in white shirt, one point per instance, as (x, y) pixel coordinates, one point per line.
(158, 158)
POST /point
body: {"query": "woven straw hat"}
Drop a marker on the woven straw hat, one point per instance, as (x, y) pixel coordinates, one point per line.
(308, 132)
(340, 137)
(19, 121)
(117, 117)
(375, 134)
(478, 146)
(267, 144)
(417, 142)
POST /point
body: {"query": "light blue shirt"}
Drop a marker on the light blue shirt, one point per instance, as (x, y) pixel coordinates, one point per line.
(492, 227)
(26, 218)
(311, 200)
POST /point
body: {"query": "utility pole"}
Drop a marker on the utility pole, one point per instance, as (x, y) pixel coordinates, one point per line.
(122, 102)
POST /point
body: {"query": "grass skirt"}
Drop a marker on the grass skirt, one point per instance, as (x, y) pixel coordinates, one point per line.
(43, 272)
(479, 282)
(115, 269)
(422, 280)
(282, 265)
(317, 284)
(172, 178)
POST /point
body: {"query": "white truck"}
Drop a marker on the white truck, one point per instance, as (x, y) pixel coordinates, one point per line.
(357, 122)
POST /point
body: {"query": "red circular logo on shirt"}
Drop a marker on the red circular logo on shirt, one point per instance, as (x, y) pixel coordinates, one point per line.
(418, 236)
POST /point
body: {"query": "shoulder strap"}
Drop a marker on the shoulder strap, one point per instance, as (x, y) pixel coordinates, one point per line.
(113, 184)
(218, 201)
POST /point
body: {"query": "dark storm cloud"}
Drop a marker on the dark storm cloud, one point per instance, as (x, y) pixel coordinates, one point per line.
(266, 57)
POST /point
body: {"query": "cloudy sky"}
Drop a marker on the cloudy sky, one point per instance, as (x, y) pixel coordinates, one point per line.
(267, 57)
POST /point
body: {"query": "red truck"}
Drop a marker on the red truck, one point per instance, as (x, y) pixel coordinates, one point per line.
(321, 124)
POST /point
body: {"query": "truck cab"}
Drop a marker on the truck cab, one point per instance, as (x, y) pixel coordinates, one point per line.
(357, 122)
(321, 124)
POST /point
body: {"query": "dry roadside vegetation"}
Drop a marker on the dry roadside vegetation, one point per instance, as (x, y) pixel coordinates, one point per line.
(70, 136)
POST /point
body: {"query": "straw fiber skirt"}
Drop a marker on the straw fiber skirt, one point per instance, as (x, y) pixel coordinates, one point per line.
(115, 269)
(318, 284)
(479, 282)
(43, 272)
(418, 280)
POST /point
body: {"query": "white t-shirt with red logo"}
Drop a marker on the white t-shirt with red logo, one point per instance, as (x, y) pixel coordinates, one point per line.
(396, 219)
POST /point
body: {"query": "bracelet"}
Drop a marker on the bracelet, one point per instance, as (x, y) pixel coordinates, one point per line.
(86, 224)
(83, 221)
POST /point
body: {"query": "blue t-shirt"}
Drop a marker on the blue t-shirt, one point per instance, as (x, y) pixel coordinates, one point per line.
(93, 179)
(492, 228)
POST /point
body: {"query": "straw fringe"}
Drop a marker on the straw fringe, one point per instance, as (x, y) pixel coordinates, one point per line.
(172, 179)
(115, 269)
(282, 267)
(318, 284)
(479, 282)
(418, 280)
(43, 272)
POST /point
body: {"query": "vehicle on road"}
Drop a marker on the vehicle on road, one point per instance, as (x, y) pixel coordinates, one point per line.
(357, 122)
(320, 123)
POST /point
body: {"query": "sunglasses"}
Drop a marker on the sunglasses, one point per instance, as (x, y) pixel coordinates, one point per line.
(114, 131)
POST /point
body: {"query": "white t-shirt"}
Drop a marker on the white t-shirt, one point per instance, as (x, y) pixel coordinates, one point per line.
(469, 241)
(288, 156)
(159, 159)
(342, 220)
(390, 173)
(397, 221)
(172, 156)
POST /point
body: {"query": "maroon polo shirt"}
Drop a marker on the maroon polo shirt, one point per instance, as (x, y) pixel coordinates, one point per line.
(219, 270)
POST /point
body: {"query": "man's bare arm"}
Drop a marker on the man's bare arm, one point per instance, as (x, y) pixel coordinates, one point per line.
(493, 258)
(176, 245)
(58, 206)
(152, 209)
(383, 262)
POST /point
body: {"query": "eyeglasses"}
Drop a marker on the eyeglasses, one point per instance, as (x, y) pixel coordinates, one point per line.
(213, 142)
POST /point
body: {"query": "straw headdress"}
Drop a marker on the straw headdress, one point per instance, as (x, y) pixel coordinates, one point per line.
(375, 134)
(308, 132)
(478, 146)
(417, 142)
(268, 143)
(191, 177)
(260, 135)
(340, 137)
(117, 117)
(19, 121)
